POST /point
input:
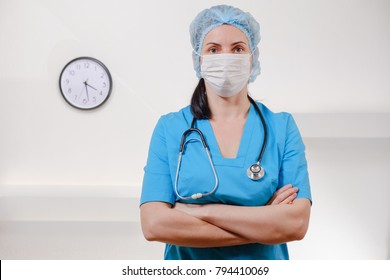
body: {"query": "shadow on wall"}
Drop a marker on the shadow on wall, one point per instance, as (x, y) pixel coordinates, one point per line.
(388, 241)
(387, 256)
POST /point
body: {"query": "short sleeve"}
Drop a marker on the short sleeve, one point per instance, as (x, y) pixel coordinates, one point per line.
(157, 182)
(294, 168)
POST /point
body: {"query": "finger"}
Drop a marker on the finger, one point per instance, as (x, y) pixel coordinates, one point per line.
(285, 194)
(280, 198)
(278, 192)
(290, 199)
(282, 189)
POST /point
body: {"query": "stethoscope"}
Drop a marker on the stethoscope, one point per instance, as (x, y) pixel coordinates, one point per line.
(254, 172)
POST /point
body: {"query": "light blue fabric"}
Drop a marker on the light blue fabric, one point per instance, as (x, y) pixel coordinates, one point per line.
(215, 16)
(284, 162)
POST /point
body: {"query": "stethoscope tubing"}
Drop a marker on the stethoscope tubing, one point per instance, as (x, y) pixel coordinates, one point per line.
(265, 138)
(202, 139)
(195, 195)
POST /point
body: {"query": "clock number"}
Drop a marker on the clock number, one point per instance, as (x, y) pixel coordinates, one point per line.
(94, 99)
(78, 67)
(101, 92)
(67, 81)
(104, 84)
(69, 90)
(84, 101)
(102, 75)
(86, 65)
(71, 72)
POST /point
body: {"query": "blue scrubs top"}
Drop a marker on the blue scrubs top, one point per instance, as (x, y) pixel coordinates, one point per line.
(284, 163)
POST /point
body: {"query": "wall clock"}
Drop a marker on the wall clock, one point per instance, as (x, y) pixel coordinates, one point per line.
(85, 83)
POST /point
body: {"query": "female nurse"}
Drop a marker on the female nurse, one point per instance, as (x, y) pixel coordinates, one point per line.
(202, 204)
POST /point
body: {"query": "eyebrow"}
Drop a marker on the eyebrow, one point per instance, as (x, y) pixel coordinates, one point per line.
(233, 44)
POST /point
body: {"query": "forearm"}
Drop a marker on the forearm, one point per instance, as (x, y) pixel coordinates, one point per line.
(162, 223)
(272, 224)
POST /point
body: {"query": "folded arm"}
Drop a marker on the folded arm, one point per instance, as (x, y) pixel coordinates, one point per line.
(216, 225)
(271, 224)
(161, 222)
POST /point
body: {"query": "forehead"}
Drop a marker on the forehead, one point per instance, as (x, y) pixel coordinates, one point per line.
(225, 34)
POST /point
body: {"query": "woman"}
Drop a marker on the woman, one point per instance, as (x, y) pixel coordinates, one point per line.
(202, 203)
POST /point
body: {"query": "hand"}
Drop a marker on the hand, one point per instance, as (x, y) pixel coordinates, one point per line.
(284, 195)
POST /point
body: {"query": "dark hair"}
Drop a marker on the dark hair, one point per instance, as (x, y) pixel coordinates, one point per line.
(199, 105)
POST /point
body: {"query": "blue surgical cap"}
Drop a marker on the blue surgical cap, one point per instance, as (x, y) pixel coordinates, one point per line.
(215, 16)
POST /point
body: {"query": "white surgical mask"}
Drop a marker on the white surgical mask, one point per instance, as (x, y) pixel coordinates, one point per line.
(226, 74)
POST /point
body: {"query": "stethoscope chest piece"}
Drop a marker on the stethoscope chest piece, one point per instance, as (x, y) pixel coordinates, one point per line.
(255, 172)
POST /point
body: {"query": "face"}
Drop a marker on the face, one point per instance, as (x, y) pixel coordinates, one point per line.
(225, 39)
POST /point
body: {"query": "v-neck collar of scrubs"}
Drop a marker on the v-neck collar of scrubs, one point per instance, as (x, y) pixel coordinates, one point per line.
(218, 159)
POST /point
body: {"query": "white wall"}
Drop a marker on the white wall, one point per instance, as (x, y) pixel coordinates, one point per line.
(324, 61)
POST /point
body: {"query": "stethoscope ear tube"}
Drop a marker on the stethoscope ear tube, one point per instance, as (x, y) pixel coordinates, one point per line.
(188, 131)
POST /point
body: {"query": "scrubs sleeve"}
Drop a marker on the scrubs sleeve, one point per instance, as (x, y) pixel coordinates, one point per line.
(157, 183)
(294, 165)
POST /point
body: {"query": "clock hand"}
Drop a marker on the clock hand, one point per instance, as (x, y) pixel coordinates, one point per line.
(86, 88)
(90, 86)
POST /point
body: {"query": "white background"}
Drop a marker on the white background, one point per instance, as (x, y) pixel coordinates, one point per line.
(70, 180)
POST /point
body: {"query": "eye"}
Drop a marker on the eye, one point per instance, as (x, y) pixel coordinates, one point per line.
(238, 50)
(213, 50)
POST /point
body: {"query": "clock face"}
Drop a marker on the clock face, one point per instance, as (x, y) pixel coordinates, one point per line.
(85, 83)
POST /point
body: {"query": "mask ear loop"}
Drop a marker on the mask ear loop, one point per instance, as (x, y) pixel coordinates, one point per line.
(196, 53)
